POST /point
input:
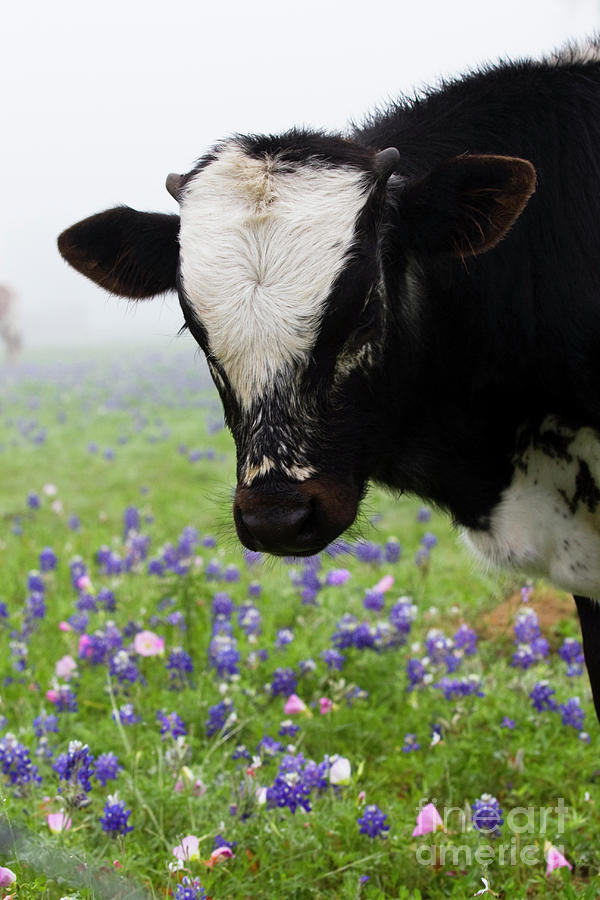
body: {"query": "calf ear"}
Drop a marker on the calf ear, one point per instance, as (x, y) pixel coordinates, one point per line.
(133, 254)
(466, 205)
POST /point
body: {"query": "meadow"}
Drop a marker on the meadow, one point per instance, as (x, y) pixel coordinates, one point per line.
(181, 718)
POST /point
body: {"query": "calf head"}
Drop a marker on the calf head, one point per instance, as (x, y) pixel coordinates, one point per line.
(278, 256)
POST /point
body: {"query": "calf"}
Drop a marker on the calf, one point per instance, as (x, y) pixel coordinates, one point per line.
(9, 332)
(416, 303)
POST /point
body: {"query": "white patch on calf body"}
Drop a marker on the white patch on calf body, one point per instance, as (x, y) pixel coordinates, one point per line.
(262, 242)
(546, 523)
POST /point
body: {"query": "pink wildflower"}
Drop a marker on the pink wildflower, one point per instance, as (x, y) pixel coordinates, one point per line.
(294, 705)
(428, 820)
(146, 643)
(7, 876)
(65, 667)
(325, 705)
(384, 584)
(64, 626)
(188, 848)
(84, 583)
(85, 645)
(554, 858)
(52, 696)
(58, 822)
(217, 856)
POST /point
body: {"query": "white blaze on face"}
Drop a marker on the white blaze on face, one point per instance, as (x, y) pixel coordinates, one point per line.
(262, 242)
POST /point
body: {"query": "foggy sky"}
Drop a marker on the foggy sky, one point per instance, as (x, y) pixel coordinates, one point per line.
(101, 101)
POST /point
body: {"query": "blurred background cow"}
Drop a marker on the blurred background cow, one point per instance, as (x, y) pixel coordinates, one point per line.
(9, 331)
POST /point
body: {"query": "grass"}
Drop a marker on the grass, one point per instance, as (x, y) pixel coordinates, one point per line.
(156, 413)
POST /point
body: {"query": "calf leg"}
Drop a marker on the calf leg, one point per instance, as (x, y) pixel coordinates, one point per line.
(589, 618)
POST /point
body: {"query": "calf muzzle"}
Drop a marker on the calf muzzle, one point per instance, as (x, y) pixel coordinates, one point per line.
(294, 518)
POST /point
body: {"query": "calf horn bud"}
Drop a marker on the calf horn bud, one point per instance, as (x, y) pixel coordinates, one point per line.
(385, 162)
(173, 184)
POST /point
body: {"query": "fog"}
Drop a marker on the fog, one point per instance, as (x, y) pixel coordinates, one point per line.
(101, 101)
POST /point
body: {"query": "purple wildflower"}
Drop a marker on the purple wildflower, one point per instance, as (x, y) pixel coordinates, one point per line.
(541, 696)
(171, 723)
(107, 767)
(487, 814)
(373, 822)
(572, 713)
(115, 818)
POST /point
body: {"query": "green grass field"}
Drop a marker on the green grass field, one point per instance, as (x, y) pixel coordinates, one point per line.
(141, 433)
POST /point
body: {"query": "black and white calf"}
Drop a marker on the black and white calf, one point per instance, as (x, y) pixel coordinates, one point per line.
(416, 302)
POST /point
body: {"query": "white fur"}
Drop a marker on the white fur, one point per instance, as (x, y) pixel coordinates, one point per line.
(533, 528)
(261, 246)
(584, 51)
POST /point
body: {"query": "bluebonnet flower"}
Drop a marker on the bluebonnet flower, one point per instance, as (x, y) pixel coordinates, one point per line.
(124, 667)
(249, 619)
(76, 767)
(269, 747)
(466, 640)
(107, 767)
(410, 743)
(252, 557)
(222, 605)
(86, 603)
(541, 696)
(220, 716)
(131, 520)
(220, 841)
(48, 559)
(523, 657)
(33, 501)
(337, 577)
(460, 687)
(15, 763)
(392, 551)
(254, 589)
(35, 582)
(284, 681)
(487, 814)
(289, 790)
(74, 522)
(284, 637)
(402, 615)
(190, 890)
(507, 723)
(373, 822)
(288, 729)
(223, 654)
(116, 817)
(429, 540)
(374, 600)
(127, 715)
(231, 574)
(417, 673)
(333, 659)
(241, 752)
(4, 613)
(179, 666)
(368, 552)
(107, 599)
(572, 713)
(526, 627)
(572, 653)
(438, 645)
(78, 570)
(45, 723)
(66, 699)
(171, 723)
(306, 666)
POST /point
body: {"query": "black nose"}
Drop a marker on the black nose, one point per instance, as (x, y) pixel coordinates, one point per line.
(278, 524)
(292, 518)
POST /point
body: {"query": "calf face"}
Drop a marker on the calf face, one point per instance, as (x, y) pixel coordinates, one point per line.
(279, 259)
